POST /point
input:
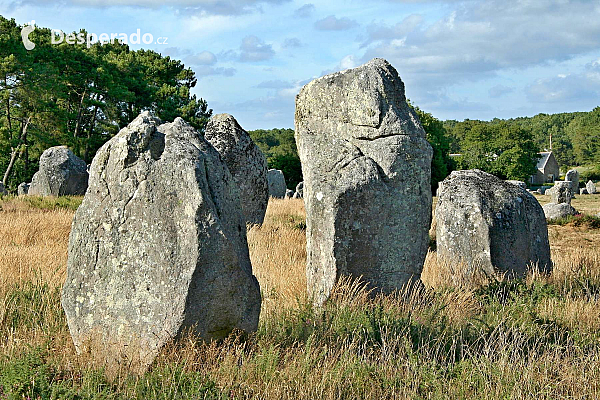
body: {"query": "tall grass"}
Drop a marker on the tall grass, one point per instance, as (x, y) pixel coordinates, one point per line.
(537, 338)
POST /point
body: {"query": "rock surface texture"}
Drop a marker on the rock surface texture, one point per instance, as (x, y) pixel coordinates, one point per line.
(573, 176)
(276, 181)
(558, 211)
(518, 183)
(367, 167)
(158, 247)
(61, 173)
(245, 161)
(491, 226)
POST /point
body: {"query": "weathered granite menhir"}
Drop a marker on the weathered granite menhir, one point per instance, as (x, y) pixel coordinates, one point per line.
(490, 227)
(367, 166)
(158, 247)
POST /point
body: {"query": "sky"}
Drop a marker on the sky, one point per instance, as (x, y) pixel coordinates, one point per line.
(458, 59)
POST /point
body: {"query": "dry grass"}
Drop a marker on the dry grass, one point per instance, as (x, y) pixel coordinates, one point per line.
(33, 246)
(534, 339)
(278, 253)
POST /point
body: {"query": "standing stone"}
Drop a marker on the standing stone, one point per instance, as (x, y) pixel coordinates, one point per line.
(245, 161)
(300, 190)
(491, 226)
(591, 187)
(561, 192)
(3, 190)
(277, 186)
(583, 191)
(558, 211)
(573, 176)
(23, 189)
(367, 168)
(289, 193)
(158, 247)
(61, 173)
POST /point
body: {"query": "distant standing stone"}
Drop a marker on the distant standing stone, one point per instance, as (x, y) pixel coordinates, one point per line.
(277, 186)
(558, 211)
(245, 161)
(158, 247)
(491, 226)
(23, 189)
(367, 166)
(300, 189)
(583, 191)
(289, 193)
(562, 192)
(573, 176)
(61, 173)
(3, 189)
(591, 187)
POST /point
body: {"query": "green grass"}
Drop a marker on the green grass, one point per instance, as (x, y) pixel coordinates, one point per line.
(54, 203)
(579, 220)
(354, 347)
(47, 203)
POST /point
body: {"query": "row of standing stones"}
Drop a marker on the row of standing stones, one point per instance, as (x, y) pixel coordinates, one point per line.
(562, 193)
(158, 247)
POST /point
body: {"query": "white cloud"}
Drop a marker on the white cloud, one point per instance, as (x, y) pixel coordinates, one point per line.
(207, 70)
(477, 39)
(332, 23)
(305, 11)
(254, 49)
(500, 90)
(203, 58)
(348, 62)
(211, 7)
(291, 43)
(573, 88)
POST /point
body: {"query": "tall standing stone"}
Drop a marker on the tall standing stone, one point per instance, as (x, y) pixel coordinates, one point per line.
(158, 247)
(367, 168)
(573, 176)
(276, 181)
(61, 173)
(245, 161)
(490, 226)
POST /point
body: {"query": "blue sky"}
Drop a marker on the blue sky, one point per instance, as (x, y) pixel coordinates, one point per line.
(458, 59)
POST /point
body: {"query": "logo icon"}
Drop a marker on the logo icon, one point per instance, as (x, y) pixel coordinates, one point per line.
(25, 32)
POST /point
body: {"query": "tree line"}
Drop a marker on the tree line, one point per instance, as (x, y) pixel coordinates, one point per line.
(506, 148)
(575, 136)
(69, 94)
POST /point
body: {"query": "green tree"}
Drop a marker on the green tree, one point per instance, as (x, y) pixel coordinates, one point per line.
(500, 148)
(441, 163)
(584, 132)
(279, 147)
(72, 95)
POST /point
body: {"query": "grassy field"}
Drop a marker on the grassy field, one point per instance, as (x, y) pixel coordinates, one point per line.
(538, 338)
